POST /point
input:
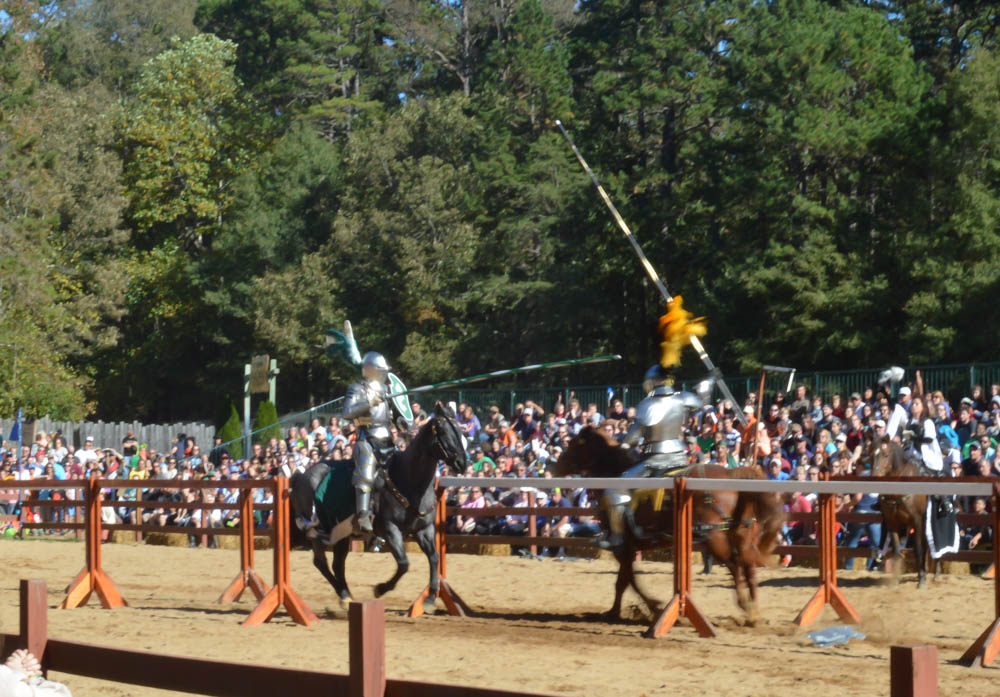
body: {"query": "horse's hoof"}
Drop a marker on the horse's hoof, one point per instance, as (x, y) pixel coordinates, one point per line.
(429, 607)
(345, 601)
(381, 589)
(612, 614)
(922, 583)
(743, 600)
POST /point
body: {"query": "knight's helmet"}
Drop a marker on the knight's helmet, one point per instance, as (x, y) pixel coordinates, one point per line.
(656, 376)
(374, 368)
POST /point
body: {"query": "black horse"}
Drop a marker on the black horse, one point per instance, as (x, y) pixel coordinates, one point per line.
(403, 503)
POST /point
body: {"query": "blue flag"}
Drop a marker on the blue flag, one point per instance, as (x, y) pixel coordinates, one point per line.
(15, 431)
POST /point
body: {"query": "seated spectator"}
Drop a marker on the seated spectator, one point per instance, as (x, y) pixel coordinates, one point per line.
(517, 524)
(557, 525)
(978, 535)
(774, 470)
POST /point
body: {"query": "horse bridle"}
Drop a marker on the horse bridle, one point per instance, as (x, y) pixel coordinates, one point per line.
(439, 443)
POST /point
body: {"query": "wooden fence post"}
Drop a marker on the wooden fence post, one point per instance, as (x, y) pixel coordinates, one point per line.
(34, 617)
(281, 593)
(93, 577)
(914, 671)
(367, 649)
(452, 601)
(987, 646)
(828, 591)
(247, 577)
(681, 605)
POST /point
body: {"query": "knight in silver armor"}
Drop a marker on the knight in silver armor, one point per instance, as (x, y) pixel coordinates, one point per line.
(372, 415)
(657, 431)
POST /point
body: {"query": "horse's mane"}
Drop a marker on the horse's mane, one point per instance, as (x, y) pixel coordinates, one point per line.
(594, 453)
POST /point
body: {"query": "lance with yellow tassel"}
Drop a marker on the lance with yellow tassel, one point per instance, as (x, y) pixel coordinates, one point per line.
(693, 338)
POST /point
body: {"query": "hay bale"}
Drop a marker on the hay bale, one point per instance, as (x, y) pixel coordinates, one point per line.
(166, 539)
(960, 568)
(479, 549)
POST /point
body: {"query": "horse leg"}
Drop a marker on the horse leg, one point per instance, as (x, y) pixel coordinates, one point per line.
(425, 538)
(919, 551)
(651, 604)
(625, 578)
(752, 609)
(319, 561)
(394, 539)
(340, 551)
(897, 552)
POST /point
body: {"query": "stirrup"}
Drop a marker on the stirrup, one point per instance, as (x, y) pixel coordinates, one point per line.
(363, 523)
(609, 541)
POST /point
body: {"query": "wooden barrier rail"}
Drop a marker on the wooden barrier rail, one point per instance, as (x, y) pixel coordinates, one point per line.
(93, 578)
(985, 649)
(367, 676)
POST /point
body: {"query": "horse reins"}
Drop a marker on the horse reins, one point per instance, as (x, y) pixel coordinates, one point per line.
(398, 495)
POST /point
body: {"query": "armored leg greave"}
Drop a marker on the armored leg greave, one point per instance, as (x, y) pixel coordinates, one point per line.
(364, 480)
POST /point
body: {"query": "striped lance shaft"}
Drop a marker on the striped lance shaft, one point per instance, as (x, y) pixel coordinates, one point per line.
(509, 371)
(695, 341)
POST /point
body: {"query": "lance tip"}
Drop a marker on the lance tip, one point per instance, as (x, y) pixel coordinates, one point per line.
(558, 122)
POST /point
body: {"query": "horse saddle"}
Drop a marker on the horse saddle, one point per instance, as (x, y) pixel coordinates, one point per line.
(655, 496)
(334, 497)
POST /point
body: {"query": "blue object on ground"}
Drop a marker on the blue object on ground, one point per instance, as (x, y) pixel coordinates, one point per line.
(839, 634)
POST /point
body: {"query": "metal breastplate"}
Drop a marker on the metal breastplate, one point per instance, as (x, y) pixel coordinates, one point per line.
(372, 420)
(661, 420)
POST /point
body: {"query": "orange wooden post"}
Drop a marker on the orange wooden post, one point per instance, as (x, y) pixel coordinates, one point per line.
(681, 605)
(452, 601)
(913, 671)
(93, 577)
(281, 593)
(367, 649)
(828, 591)
(34, 618)
(987, 646)
(247, 577)
(991, 572)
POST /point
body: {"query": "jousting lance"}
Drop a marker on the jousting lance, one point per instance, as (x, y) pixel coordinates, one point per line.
(695, 341)
(508, 371)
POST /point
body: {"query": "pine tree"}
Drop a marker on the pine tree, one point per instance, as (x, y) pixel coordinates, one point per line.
(265, 425)
(232, 433)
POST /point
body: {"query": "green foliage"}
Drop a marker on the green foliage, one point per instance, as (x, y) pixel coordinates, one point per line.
(231, 432)
(820, 179)
(185, 137)
(265, 424)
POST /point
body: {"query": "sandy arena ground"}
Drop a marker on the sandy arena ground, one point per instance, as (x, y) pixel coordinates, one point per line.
(536, 628)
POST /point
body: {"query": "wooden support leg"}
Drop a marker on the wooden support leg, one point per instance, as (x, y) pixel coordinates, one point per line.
(987, 646)
(93, 577)
(681, 605)
(247, 577)
(828, 591)
(281, 594)
(452, 601)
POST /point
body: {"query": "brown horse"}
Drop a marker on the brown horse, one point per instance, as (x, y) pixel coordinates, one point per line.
(739, 529)
(901, 513)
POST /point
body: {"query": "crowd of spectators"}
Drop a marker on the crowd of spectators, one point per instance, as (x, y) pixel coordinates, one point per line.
(796, 436)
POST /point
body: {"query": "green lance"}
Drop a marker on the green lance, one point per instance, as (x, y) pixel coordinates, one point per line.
(508, 371)
(695, 341)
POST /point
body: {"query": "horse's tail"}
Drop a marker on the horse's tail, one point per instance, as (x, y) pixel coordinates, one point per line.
(767, 510)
